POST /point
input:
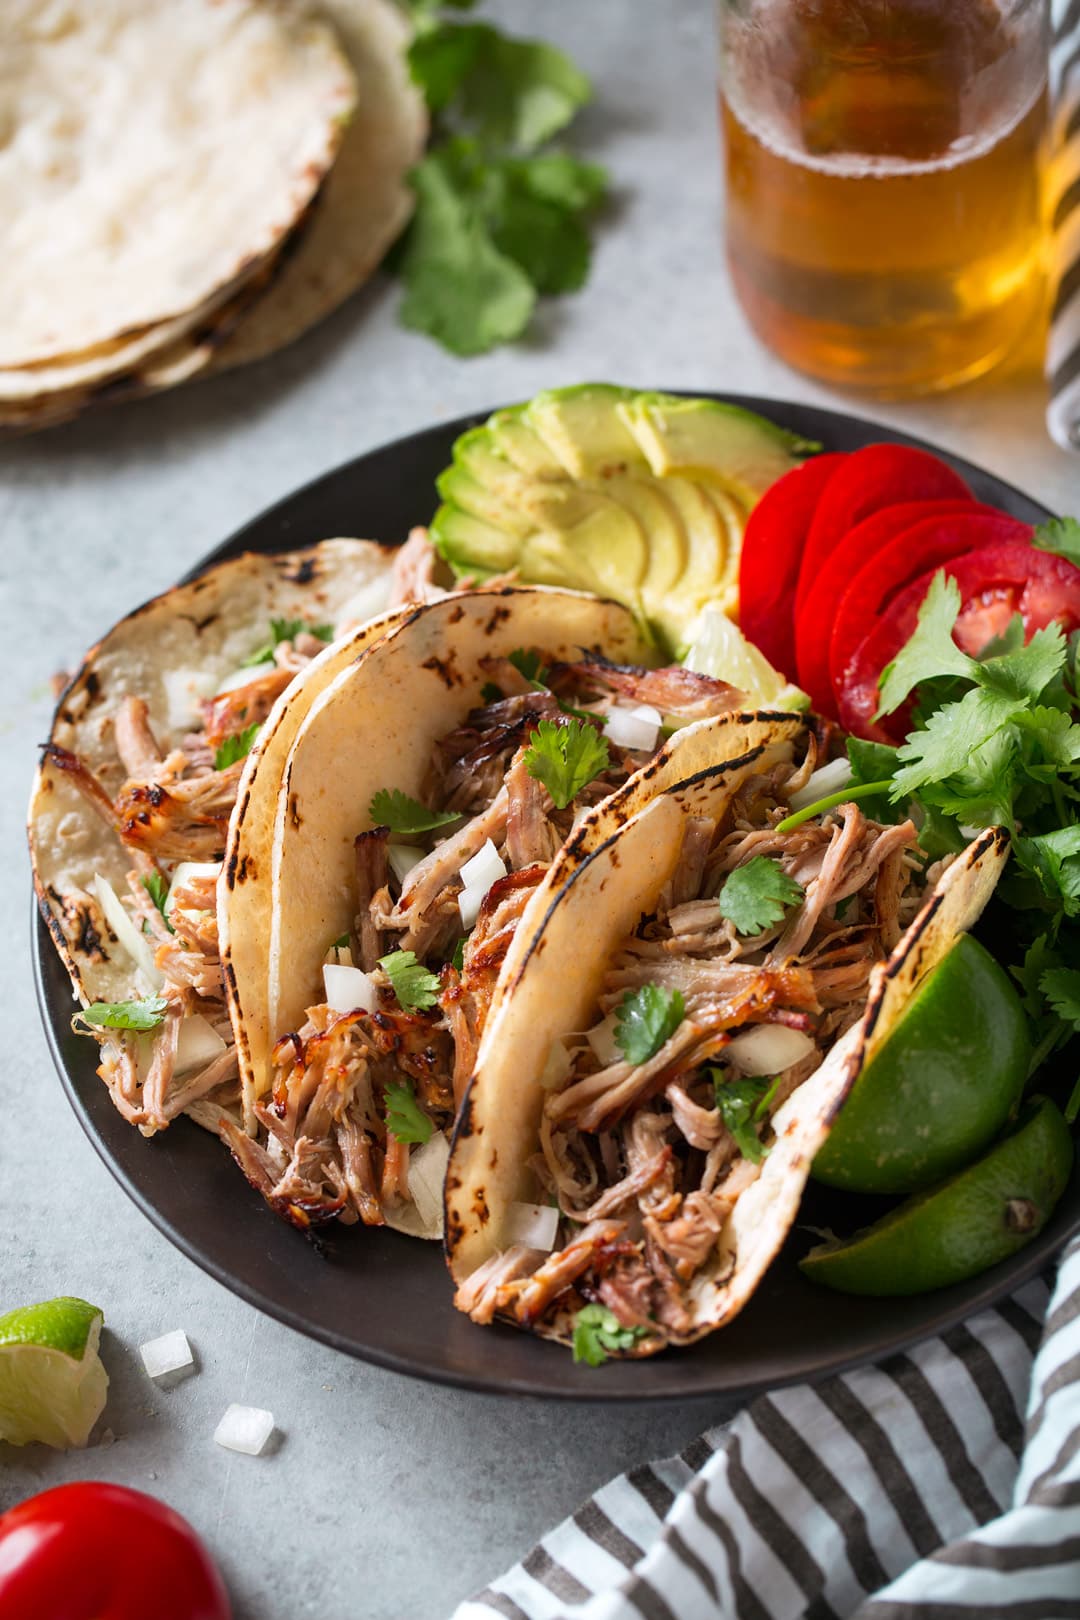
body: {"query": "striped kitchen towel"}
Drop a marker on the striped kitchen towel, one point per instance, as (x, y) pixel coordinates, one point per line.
(1063, 207)
(942, 1485)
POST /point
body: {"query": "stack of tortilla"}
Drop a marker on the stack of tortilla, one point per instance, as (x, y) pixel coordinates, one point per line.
(185, 188)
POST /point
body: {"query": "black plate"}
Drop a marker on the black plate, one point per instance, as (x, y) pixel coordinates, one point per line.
(386, 1298)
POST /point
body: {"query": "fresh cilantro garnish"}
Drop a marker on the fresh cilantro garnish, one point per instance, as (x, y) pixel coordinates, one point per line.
(405, 1119)
(1072, 1108)
(1060, 534)
(497, 222)
(931, 652)
(341, 943)
(413, 985)
(235, 747)
(158, 890)
(645, 1019)
(286, 630)
(743, 1104)
(394, 809)
(146, 1014)
(598, 1331)
(490, 693)
(566, 758)
(755, 896)
(527, 663)
(1061, 987)
(457, 961)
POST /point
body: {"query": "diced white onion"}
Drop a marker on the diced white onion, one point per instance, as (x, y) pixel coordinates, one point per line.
(183, 690)
(197, 1044)
(169, 1357)
(367, 603)
(245, 1429)
(636, 727)
(349, 989)
(427, 1172)
(768, 1049)
(485, 867)
(535, 1225)
(469, 902)
(402, 858)
(602, 1040)
(827, 779)
(242, 677)
(185, 871)
(557, 1066)
(129, 938)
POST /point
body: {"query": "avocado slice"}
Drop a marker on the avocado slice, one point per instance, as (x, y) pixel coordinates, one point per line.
(642, 496)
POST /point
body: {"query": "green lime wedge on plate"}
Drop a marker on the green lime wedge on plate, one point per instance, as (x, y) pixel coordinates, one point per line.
(940, 1087)
(52, 1382)
(966, 1225)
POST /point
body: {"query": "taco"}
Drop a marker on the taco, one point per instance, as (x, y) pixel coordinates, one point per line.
(673, 1040)
(189, 701)
(437, 791)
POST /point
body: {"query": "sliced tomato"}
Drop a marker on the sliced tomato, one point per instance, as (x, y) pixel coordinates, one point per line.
(814, 620)
(771, 553)
(995, 583)
(877, 476)
(921, 549)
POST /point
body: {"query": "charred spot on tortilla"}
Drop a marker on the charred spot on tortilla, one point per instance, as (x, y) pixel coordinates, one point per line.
(444, 669)
(480, 1206)
(304, 573)
(499, 615)
(457, 615)
(87, 934)
(295, 818)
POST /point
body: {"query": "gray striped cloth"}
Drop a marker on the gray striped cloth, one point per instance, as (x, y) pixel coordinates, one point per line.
(1063, 208)
(942, 1485)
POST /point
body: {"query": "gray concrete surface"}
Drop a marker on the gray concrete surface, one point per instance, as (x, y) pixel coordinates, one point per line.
(387, 1500)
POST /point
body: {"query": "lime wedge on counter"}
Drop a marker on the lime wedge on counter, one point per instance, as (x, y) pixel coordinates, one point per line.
(940, 1087)
(52, 1382)
(966, 1225)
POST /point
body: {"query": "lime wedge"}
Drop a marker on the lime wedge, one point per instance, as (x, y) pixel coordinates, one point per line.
(52, 1382)
(964, 1225)
(719, 648)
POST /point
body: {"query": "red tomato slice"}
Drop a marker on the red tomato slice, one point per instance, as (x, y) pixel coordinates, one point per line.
(102, 1552)
(879, 475)
(995, 583)
(815, 619)
(919, 550)
(771, 553)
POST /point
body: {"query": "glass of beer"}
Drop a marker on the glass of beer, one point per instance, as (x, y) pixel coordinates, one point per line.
(882, 157)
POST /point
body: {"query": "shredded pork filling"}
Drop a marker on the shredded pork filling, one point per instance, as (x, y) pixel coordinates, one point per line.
(646, 1159)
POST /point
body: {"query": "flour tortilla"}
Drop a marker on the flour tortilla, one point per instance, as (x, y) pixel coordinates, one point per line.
(156, 154)
(172, 651)
(551, 991)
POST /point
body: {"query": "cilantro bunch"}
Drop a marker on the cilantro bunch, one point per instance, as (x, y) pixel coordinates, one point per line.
(996, 742)
(500, 220)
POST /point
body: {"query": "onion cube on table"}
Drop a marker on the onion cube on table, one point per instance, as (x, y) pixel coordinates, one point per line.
(169, 1358)
(245, 1428)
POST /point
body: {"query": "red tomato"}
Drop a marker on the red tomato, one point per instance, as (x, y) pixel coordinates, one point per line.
(813, 625)
(771, 554)
(102, 1552)
(879, 475)
(995, 583)
(920, 550)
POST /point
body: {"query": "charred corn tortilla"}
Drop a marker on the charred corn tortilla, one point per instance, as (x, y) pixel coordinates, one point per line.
(166, 659)
(550, 993)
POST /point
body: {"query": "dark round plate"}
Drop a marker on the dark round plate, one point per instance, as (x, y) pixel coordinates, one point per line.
(386, 1298)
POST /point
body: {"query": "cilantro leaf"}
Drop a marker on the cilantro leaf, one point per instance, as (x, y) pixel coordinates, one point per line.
(509, 92)
(1010, 640)
(755, 896)
(528, 664)
(145, 1014)
(1061, 987)
(158, 890)
(236, 747)
(598, 1331)
(931, 651)
(405, 1119)
(980, 793)
(490, 693)
(457, 961)
(566, 758)
(645, 1019)
(1027, 671)
(394, 809)
(459, 288)
(1062, 535)
(286, 630)
(1053, 860)
(411, 982)
(743, 1104)
(950, 737)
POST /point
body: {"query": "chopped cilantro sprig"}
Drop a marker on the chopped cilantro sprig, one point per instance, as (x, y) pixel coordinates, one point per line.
(237, 747)
(598, 1331)
(410, 980)
(405, 1119)
(566, 758)
(645, 1019)
(286, 630)
(743, 1104)
(394, 809)
(755, 896)
(157, 888)
(138, 1015)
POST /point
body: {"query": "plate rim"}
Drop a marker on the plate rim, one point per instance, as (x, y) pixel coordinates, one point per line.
(1019, 1269)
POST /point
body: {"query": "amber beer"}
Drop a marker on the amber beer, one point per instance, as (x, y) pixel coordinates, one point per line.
(882, 156)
